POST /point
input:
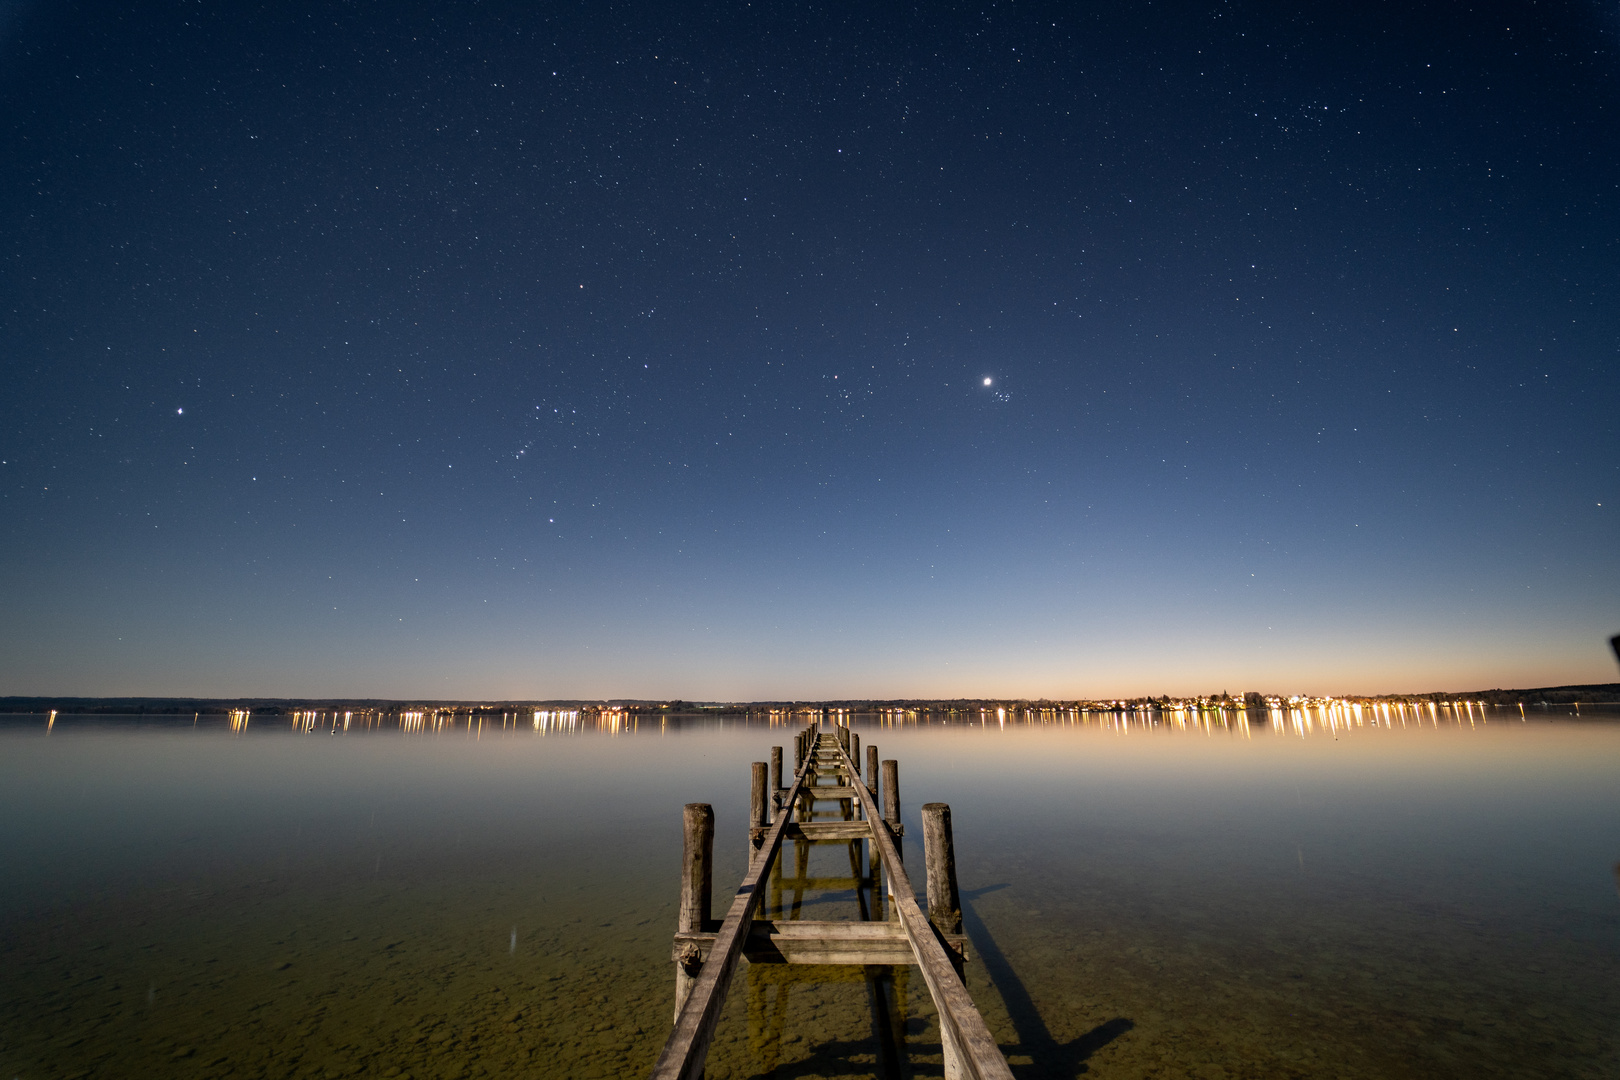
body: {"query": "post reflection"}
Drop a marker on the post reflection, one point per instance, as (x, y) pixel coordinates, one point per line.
(792, 890)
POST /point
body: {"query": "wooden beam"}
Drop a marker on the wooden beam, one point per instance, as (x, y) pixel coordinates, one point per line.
(821, 943)
(826, 830)
(967, 1038)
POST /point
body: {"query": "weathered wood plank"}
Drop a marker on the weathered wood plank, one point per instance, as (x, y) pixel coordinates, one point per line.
(971, 1044)
(821, 943)
(825, 830)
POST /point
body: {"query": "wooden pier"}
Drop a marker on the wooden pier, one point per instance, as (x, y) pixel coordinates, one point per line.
(895, 930)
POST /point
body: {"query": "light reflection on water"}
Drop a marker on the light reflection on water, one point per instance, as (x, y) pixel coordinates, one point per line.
(1298, 716)
(1334, 890)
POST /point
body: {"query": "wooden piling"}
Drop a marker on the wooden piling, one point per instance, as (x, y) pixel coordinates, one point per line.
(872, 770)
(939, 851)
(776, 780)
(697, 891)
(891, 791)
(855, 749)
(757, 803)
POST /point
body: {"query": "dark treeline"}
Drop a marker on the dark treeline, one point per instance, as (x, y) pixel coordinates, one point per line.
(1591, 693)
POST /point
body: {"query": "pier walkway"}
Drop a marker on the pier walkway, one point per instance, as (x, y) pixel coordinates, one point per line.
(895, 930)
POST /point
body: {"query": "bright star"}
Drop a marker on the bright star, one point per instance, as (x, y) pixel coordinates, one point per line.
(987, 380)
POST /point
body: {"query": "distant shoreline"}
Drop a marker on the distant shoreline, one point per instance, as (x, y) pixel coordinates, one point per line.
(1587, 694)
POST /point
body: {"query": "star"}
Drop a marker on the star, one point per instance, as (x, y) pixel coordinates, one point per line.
(987, 380)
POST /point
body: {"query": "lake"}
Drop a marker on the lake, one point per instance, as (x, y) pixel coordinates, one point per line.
(1421, 893)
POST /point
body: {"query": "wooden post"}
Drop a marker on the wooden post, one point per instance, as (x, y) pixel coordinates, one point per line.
(697, 867)
(872, 770)
(776, 780)
(944, 905)
(697, 891)
(855, 751)
(944, 902)
(757, 805)
(891, 791)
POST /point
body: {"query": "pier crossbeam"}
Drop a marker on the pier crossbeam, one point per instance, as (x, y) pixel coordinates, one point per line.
(824, 830)
(806, 942)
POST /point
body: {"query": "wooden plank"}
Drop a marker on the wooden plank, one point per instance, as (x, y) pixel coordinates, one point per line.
(975, 1051)
(825, 830)
(828, 791)
(687, 1047)
(837, 830)
(821, 943)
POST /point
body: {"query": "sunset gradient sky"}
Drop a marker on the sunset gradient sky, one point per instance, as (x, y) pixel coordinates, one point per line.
(640, 350)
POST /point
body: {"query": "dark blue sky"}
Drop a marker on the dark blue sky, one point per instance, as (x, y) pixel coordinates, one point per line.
(640, 350)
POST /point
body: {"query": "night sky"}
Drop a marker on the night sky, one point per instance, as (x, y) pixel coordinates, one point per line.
(787, 351)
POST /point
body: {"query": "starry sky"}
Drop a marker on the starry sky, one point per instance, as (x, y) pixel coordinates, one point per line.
(731, 351)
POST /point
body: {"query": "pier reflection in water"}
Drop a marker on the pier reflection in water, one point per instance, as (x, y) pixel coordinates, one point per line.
(797, 891)
(1412, 891)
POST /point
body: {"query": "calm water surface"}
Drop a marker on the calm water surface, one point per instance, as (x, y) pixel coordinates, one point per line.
(1433, 899)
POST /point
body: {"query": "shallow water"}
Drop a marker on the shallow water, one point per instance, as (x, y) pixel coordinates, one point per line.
(1427, 900)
